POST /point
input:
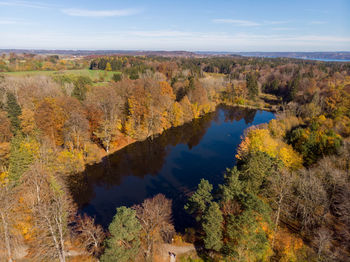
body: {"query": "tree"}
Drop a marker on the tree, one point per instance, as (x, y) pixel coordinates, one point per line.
(117, 77)
(105, 100)
(155, 218)
(105, 133)
(255, 170)
(232, 186)
(124, 241)
(260, 140)
(278, 191)
(247, 231)
(108, 67)
(90, 235)
(23, 152)
(5, 128)
(80, 87)
(8, 231)
(247, 219)
(14, 111)
(50, 118)
(27, 121)
(252, 86)
(311, 203)
(293, 88)
(51, 207)
(212, 226)
(76, 129)
(200, 200)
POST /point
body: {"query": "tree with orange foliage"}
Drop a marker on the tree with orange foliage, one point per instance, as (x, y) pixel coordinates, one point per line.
(27, 121)
(50, 118)
(5, 128)
(5, 136)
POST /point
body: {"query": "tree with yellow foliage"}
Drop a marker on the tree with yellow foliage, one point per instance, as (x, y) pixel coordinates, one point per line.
(260, 140)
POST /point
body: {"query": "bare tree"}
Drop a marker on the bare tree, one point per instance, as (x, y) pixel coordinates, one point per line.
(279, 190)
(90, 235)
(311, 200)
(323, 240)
(76, 129)
(51, 206)
(155, 217)
(8, 235)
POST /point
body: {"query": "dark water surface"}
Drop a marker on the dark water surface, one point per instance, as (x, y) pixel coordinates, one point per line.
(172, 164)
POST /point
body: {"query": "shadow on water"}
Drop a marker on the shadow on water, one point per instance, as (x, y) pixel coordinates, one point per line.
(171, 164)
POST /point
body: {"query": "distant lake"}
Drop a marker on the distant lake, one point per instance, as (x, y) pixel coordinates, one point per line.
(171, 164)
(324, 59)
(300, 57)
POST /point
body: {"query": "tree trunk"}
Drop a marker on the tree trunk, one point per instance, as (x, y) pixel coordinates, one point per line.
(277, 218)
(7, 239)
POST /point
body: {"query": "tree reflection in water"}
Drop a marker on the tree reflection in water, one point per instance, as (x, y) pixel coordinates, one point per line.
(172, 164)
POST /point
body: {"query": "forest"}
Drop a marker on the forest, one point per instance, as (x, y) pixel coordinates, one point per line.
(287, 199)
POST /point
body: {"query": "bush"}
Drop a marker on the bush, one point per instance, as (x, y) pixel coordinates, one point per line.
(117, 77)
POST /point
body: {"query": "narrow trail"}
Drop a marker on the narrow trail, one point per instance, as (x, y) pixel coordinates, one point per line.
(177, 250)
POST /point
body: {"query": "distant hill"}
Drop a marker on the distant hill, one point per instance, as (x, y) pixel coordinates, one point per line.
(344, 55)
(100, 52)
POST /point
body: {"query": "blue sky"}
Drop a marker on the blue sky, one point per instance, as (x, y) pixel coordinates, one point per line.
(193, 25)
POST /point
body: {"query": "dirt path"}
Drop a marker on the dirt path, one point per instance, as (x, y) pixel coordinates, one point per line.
(177, 250)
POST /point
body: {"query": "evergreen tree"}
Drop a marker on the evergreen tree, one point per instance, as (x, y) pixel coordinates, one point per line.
(134, 74)
(293, 88)
(117, 77)
(232, 187)
(247, 217)
(14, 111)
(252, 86)
(246, 235)
(124, 242)
(200, 200)
(255, 168)
(212, 226)
(22, 154)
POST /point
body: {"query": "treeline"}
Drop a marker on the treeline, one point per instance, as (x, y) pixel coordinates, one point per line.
(286, 198)
(29, 62)
(51, 127)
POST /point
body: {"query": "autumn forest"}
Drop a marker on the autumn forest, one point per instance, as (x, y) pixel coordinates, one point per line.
(286, 199)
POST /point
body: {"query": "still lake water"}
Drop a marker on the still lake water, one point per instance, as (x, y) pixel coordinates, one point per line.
(171, 164)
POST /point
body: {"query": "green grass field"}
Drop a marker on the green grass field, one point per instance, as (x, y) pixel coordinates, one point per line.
(95, 75)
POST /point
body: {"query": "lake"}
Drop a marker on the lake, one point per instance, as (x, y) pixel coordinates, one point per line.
(171, 164)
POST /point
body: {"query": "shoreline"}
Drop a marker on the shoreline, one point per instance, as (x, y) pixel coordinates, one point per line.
(128, 140)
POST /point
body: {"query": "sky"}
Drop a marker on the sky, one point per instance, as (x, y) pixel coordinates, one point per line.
(191, 25)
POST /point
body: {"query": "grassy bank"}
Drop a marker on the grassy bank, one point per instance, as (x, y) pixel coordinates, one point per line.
(95, 75)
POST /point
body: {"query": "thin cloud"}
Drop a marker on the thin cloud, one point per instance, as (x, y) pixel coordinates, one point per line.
(185, 40)
(283, 28)
(317, 23)
(275, 22)
(7, 21)
(99, 13)
(24, 4)
(248, 22)
(236, 22)
(160, 33)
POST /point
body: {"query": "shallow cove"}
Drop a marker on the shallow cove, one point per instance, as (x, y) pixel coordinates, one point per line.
(171, 164)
